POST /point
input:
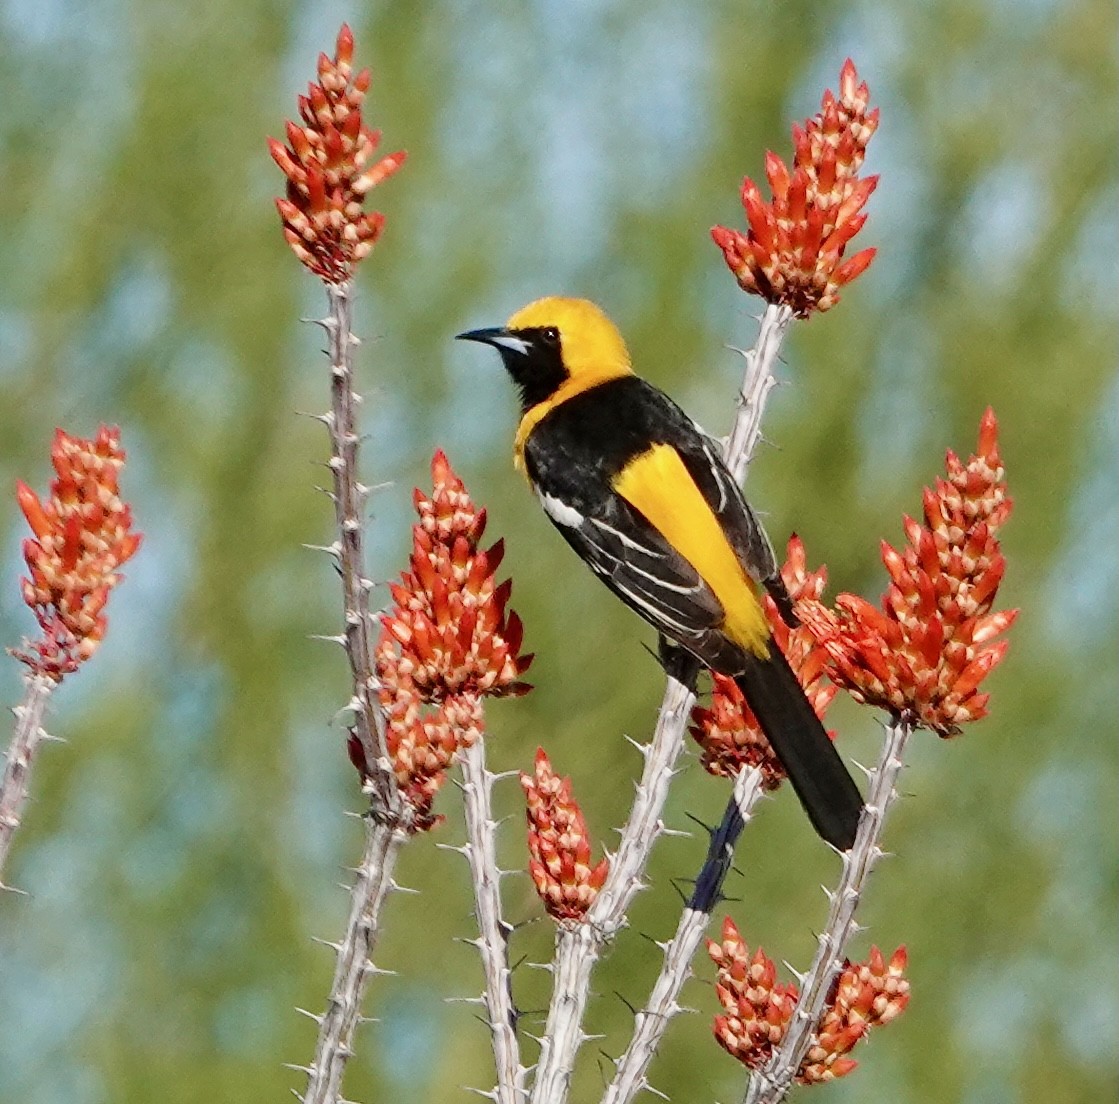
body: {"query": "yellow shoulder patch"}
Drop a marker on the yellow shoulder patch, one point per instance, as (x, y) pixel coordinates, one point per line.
(658, 484)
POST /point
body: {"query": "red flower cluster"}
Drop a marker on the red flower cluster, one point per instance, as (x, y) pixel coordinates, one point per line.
(329, 166)
(924, 654)
(865, 995)
(447, 642)
(758, 1009)
(82, 534)
(727, 732)
(792, 252)
(558, 844)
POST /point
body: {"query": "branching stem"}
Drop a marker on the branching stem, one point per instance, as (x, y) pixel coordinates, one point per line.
(770, 1084)
(353, 966)
(652, 1021)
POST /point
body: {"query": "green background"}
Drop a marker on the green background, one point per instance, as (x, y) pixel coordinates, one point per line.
(185, 845)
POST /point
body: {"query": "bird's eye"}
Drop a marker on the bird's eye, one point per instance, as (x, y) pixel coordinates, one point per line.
(550, 335)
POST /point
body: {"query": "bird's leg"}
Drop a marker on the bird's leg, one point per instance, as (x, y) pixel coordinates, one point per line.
(678, 663)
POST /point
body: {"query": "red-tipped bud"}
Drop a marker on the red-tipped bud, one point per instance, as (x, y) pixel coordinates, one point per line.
(559, 846)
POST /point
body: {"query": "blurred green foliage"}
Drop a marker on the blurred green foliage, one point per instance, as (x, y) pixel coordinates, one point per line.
(184, 846)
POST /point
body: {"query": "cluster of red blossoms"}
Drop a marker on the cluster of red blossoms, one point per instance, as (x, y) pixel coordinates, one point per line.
(758, 1009)
(792, 252)
(727, 732)
(82, 534)
(446, 643)
(924, 653)
(330, 169)
(558, 844)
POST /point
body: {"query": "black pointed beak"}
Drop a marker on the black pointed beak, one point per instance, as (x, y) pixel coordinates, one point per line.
(488, 336)
(500, 338)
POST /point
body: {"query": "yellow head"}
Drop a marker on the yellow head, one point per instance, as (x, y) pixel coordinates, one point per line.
(557, 342)
(589, 341)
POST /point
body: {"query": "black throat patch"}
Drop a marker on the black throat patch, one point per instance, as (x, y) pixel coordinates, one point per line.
(539, 371)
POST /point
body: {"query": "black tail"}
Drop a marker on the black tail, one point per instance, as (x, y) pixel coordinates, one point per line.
(828, 793)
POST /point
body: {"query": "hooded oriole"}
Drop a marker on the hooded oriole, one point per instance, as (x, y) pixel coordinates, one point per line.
(642, 494)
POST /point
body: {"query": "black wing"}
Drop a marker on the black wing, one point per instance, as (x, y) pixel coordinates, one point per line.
(641, 567)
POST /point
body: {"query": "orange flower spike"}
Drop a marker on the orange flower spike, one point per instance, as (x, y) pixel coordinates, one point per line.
(326, 163)
(82, 535)
(924, 654)
(865, 995)
(730, 737)
(446, 642)
(793, 251)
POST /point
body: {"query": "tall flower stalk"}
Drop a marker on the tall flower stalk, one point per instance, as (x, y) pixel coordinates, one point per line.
(921, 656)
(329, 167)
(81, 535)
(447, 643)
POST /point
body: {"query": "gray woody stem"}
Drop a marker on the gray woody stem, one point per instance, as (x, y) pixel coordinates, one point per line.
(353, 966)
(771, 1083)
(349, 496)
(652, 1021)
(578, 947)
(387, 822)
(493, 931)
(759, 380)
(26, 739)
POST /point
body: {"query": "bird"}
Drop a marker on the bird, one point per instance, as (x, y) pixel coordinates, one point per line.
(642, 494)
